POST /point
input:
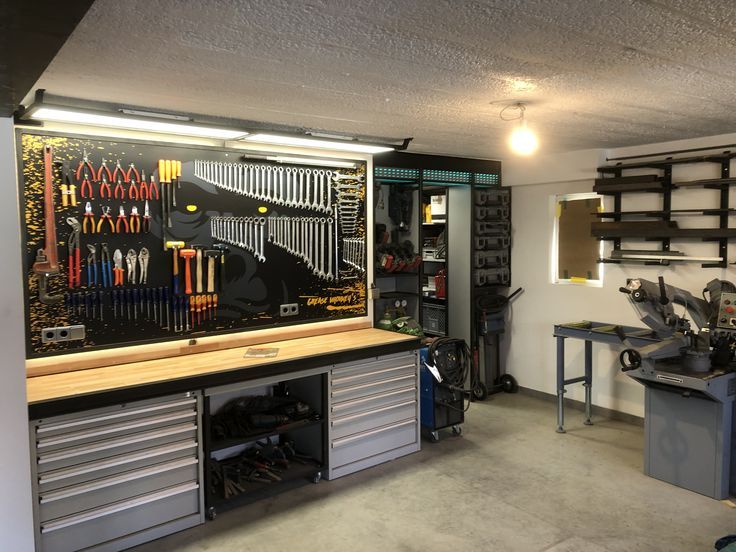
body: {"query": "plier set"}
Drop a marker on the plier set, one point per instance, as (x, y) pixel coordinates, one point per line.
(138, 187)
(123, 224)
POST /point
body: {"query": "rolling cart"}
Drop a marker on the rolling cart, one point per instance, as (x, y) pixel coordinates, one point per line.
(442, 404)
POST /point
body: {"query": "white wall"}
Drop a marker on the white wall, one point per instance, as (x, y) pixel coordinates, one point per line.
(531, 347)
(16, 518)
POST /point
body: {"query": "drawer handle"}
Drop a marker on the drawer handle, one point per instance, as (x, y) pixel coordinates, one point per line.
(133, 424)
(339, 392)
(116, 480)
(44, 428)
(347, 440)
(366, 364)
(369, 398)
(117, 507)
(121, 460)
(371, 412)
(113, 443)
(340, 380)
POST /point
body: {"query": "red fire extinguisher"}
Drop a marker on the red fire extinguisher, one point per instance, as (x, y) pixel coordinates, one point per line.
(439, 284)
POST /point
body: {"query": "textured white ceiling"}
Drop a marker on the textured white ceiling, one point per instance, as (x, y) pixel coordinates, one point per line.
(597, 73)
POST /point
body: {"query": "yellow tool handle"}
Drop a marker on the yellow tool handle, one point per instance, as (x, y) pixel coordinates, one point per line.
(178, 168)
(73, 194)
(161, 171)
(64, 195)
(167, 170)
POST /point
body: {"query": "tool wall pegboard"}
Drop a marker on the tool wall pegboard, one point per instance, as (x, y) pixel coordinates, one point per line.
(255, 244)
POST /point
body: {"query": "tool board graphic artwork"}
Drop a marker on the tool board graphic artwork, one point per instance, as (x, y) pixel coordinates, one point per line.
(129, 242)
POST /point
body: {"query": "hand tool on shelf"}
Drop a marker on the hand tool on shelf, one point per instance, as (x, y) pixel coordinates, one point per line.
(149, 299)
(143, 187)
(89, 219)
(214, 306)
(143, 262)
(117, 258)
(119, 172)
(170, 175)
(224, 250)
(191, 309)
(165, 302)
(68, 189)
(46, 263)
(187, 255)
(119, 192)
(105, 266)
(104, 171)
(86, 165)
(133, 192)
(152, 189)
(156, 299)
(86, 187)
(131, 261)
(135, 220)
(115, 303)
(128, 294)
(207, 306)
(175, 246)
(175, 308)
(136, 303)
(92, 265)
(146, 226)
(178, 172)
(105, 191)
(105, 217)
(122, 219)
(198, 266)
(74, 260)
(132, 172)
(211, 255)
(101, 304)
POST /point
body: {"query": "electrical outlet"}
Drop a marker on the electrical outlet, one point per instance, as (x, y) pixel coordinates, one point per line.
(62, 333)
(289, 309)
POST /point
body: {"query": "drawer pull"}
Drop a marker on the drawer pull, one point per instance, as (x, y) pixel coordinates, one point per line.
(133, 424)
(338, 392)
(44, 428)
(116, 480)
(369, 398)
(117, 507)
(347, 440)
(121, 460)
(352, 417)
(340, 380)
(114, 443)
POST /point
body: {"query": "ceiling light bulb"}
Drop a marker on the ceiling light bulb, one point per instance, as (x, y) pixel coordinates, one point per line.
(523, 141)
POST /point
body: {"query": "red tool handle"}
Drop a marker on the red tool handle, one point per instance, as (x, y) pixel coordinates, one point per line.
(187, 277)
(78, 260)
(71, 271)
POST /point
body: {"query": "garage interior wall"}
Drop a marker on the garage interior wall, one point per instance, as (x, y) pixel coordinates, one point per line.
(530, 346)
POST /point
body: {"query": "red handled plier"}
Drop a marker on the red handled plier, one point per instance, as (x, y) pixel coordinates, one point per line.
(143, 187)
(119, 189)
(152, 189)
(86, 189)
(105, 188)
(132, 171)
(74, 262)
(104, 170)
(133, 190)
(146, 219)
(105, 216)
(89, 218)
(85, 162)
(118, 169)
(122, 219)
(135, 221)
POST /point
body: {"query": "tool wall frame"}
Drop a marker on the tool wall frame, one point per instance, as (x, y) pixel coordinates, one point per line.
(254, 290)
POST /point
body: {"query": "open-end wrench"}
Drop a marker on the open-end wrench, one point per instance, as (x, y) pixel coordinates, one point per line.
(329, 275)
(279, 199)
(269, 184)
(261, 225)
(320, 267)
(339, 176)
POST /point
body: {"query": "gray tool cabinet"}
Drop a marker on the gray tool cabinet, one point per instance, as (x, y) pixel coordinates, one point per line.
(114, 477)
(373, 412)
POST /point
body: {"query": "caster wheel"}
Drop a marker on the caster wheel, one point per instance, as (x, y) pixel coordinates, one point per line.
(457, 430)
(211, 513)
(317, 477)
(509, 384)
(480, 391)
(434, 436)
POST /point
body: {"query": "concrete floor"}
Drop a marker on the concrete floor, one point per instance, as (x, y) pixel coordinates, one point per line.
(509, 483)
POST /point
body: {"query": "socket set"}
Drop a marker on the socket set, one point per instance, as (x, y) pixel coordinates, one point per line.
(492, 237)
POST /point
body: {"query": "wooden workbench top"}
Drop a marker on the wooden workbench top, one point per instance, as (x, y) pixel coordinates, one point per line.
(145, 373)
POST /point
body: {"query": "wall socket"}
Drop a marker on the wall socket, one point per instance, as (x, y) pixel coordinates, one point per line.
(289, 309)
(62, 333)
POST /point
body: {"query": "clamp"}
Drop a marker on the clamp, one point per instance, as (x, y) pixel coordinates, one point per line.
(135, 221)
(143, 263)
(92, 265)
(106, 266)
(122, 219)
(86, 164)
(117, 258)
(89, 218)
(105, 216)
(104, 170)
(131, 260)
(72, 244)
(146, 219)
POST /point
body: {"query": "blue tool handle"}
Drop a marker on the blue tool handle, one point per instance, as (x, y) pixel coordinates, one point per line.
(94, 268)
(89, 274)
(176, 284)
(108, 267)
(104, 275)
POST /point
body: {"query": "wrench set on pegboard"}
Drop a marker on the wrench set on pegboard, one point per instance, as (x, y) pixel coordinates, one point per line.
(181, 241)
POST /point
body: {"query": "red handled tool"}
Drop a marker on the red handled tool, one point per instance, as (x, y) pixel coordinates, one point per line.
(86, 164)
(146, 219)
(105, 216)
(89, 219)
(132, 171)
(105, 188)
(135, 220)
(86, 189)
(104, 170)
(119, 189)
(143, 187)
(122, 222)
(118, 172)
(133, 190)
(74, 261)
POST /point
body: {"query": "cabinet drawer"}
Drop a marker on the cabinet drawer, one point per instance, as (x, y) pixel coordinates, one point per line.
(99, 418)
(91, 527)
(363, 390)
(106, 490)
(380, 417)
(377, 400)
(370, 443)
(110, 447)
(81, 473)
(382, 368)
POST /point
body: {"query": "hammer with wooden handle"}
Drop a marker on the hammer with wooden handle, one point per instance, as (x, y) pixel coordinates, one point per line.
(199, 272)
(211, 255)
(175, 246)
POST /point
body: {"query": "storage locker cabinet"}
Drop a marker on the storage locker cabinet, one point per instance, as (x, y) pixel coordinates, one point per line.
(103, 477)
(373, 412)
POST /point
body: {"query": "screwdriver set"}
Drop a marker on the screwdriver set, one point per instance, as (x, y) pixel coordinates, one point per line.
(163, 241)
